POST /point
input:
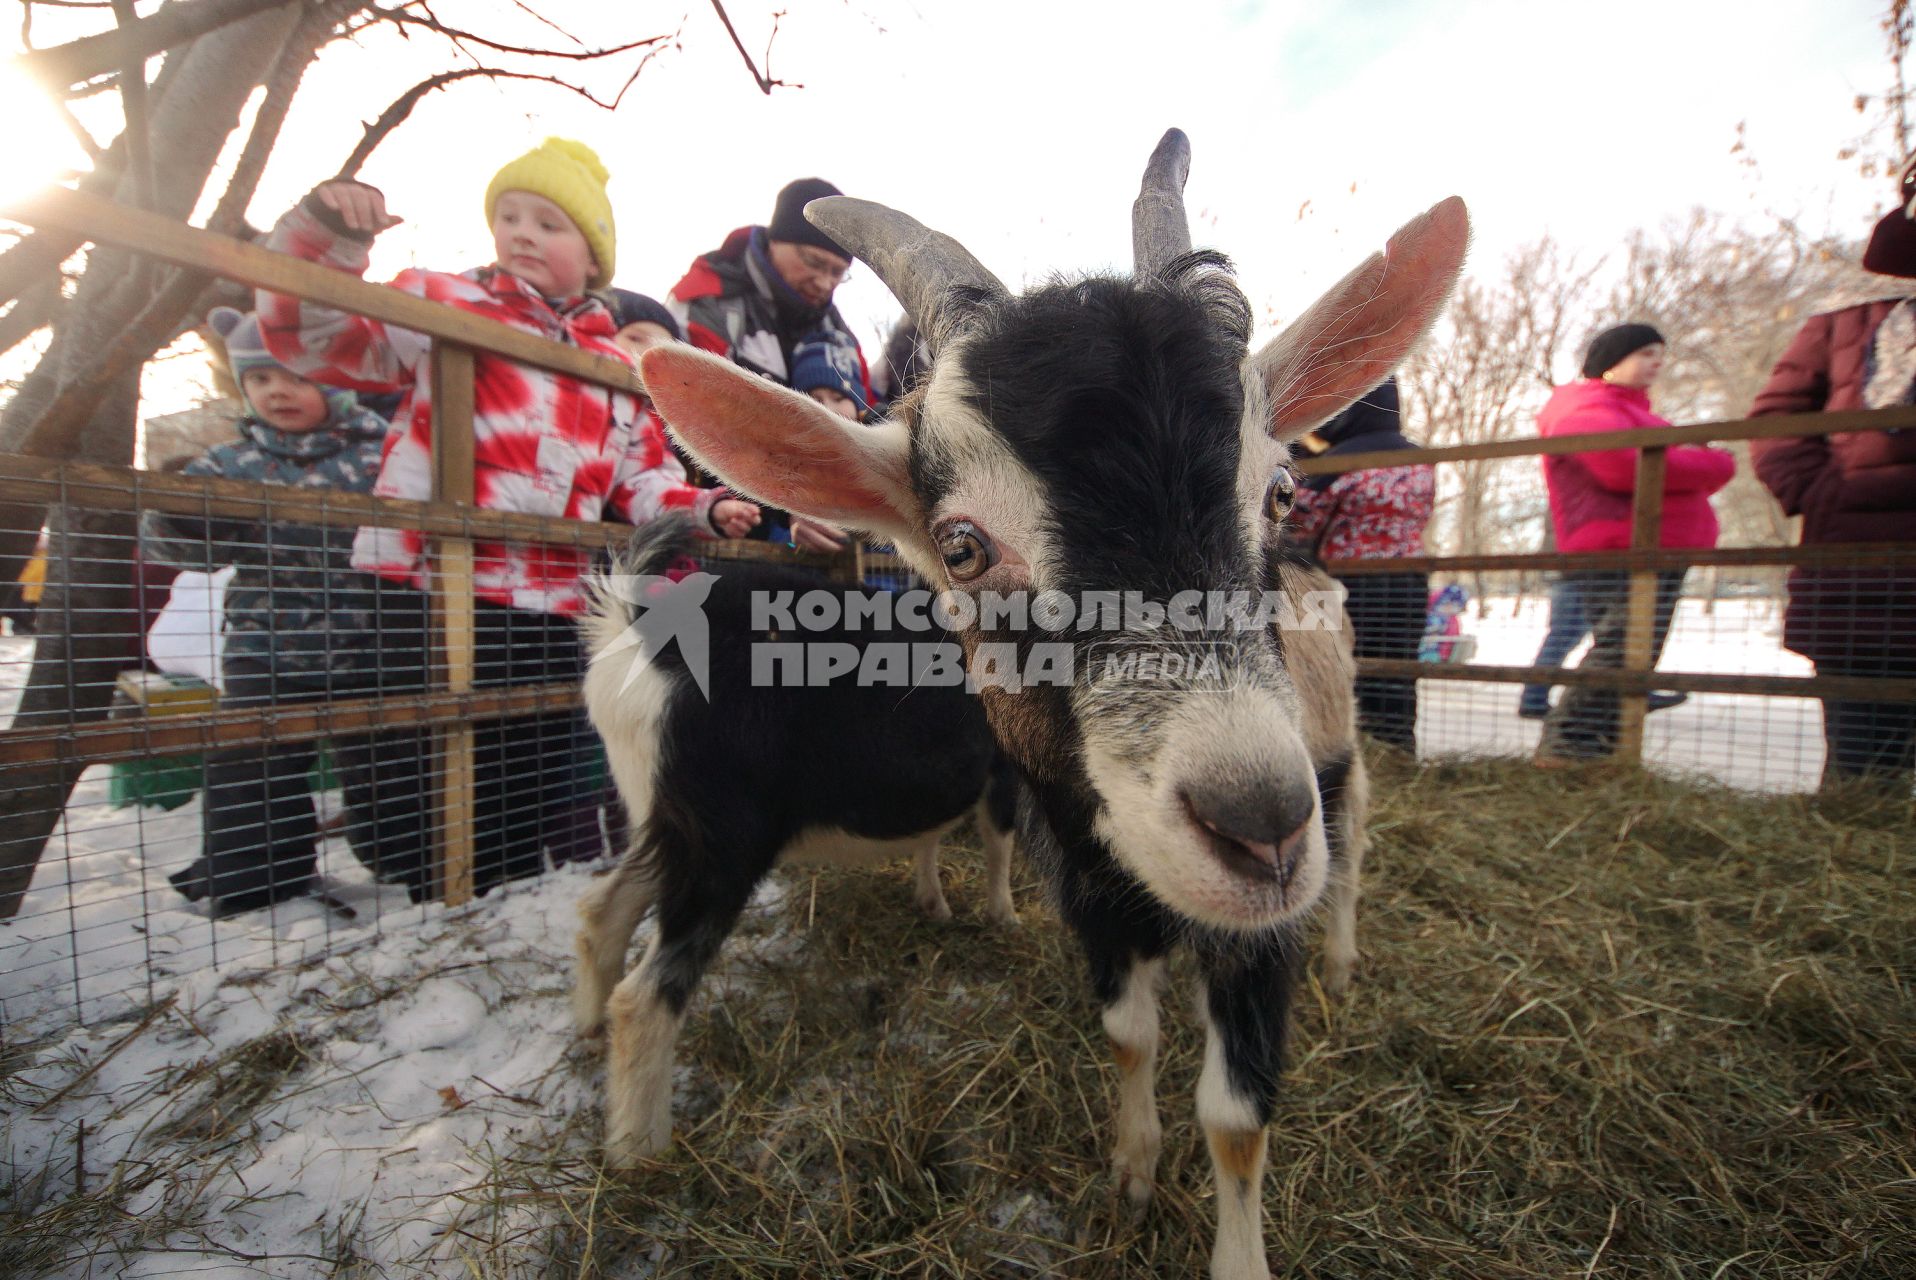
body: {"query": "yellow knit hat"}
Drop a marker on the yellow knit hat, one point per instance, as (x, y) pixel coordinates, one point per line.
(571, 175)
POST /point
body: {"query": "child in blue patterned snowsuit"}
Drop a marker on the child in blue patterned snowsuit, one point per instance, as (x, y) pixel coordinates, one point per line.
(296, 614)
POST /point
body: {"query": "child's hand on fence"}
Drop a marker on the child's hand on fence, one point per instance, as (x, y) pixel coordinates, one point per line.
(814, 536)
(733, 517)
(360, 207)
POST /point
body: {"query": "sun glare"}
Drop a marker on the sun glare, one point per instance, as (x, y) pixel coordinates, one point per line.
(41, 150)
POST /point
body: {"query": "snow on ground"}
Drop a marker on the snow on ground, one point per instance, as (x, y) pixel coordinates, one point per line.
(1759, 743)
(282, 1118)
(276, 1093)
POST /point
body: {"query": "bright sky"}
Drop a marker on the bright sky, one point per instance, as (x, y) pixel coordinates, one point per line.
(1022, 128)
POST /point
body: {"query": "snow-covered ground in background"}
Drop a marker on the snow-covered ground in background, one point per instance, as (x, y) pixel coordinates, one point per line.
(419, 1047)
(1761, 743)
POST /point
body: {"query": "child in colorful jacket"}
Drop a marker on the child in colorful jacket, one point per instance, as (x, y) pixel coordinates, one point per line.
(544, 444)
(1377, 514)
(295, 615)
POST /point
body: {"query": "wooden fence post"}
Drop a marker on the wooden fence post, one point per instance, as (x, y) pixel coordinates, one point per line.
(452, 617)
(1646, 533)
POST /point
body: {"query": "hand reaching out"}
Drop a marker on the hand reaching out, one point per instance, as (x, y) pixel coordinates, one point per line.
(734, 517)
(360, 207)
(814, 536)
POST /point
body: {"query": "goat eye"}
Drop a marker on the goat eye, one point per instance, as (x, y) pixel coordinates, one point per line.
(1282, 494)
(966, 551)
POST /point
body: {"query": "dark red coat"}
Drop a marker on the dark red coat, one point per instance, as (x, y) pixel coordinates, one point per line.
(1855, 487)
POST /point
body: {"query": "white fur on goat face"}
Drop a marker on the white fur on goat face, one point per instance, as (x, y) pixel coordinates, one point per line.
(1141, 747)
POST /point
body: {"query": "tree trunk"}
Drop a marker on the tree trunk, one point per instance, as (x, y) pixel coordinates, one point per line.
(89, 568)
(84, 643)
(195, 111)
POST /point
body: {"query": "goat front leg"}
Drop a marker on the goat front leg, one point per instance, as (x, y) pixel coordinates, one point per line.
(1131, 1022)
(1246, 1008)
(1125, 938)
(1346, 795)
(996, 816)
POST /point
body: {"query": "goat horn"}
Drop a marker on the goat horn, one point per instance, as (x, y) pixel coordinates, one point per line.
(925, 269)
(1159, 232)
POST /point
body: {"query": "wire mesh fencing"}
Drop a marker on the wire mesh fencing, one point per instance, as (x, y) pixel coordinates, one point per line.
(1718, 707)
(222, 746)
(225, 747)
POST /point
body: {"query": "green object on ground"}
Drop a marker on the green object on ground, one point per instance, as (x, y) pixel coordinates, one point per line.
(167, 782)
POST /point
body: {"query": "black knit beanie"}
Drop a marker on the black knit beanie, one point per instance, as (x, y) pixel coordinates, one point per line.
(1611, 347)
(788, 219)
(1892, 245)
(628, 307)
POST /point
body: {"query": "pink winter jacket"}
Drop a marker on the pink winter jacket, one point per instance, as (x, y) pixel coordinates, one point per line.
(1591, 493)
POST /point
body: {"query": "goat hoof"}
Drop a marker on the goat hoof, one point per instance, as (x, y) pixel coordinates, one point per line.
(1002, 917)
(935, 908)
(1137, 1190)
(1337, 977)
(626, 1154)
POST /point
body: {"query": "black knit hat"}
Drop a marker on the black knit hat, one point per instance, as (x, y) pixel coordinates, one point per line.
(1892, 244)
(788, 219)
(1611, 347)
(630, 308)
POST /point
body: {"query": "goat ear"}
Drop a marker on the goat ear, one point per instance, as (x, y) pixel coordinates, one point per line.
(1353, 336)
(782, 447)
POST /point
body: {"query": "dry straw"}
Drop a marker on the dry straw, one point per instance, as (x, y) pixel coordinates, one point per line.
(1607, 1025)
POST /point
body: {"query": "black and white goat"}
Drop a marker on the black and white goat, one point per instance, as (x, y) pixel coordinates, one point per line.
(721, 788)
(1108, 435)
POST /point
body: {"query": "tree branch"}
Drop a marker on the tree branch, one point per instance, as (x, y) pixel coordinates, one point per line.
(765, 82)
(158, 322)
(32, 311)
(402, 18)
(134, 345)
(139, 150)
(282, 83)
(31, 258)
(95, 152)
(81, 60)
(402, 107)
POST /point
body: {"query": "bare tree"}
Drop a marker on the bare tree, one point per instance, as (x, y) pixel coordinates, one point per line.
(81, 399)
(1729, 297)
(1482, 376)
(1885, 142)
(1728, 294)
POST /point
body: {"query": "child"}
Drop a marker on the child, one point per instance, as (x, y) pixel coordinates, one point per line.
(291, 608)
(642, 322)
(828, 372)
(544, 444)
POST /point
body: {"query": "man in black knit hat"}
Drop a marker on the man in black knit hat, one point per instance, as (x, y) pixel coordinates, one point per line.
(757, 296)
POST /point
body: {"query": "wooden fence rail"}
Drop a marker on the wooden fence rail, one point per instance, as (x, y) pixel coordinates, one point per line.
(452, 523)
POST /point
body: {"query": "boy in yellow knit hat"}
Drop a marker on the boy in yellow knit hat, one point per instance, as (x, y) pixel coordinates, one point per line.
(543, 444)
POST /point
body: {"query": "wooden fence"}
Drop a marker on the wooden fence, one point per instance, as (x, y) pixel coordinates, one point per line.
(452, 522)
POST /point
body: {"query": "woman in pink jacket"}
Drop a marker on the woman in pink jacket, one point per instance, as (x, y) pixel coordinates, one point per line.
(1591, 500)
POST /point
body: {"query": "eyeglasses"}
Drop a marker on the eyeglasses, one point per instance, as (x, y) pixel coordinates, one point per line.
(820, 263)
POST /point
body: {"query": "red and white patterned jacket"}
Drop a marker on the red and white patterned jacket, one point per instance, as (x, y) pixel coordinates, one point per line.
(1367, 515)
(544, 443)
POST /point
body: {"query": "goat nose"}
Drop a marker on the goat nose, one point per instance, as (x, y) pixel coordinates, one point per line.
(1256, 834)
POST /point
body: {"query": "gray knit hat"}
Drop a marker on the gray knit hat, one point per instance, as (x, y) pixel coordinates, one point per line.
(245, 348)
